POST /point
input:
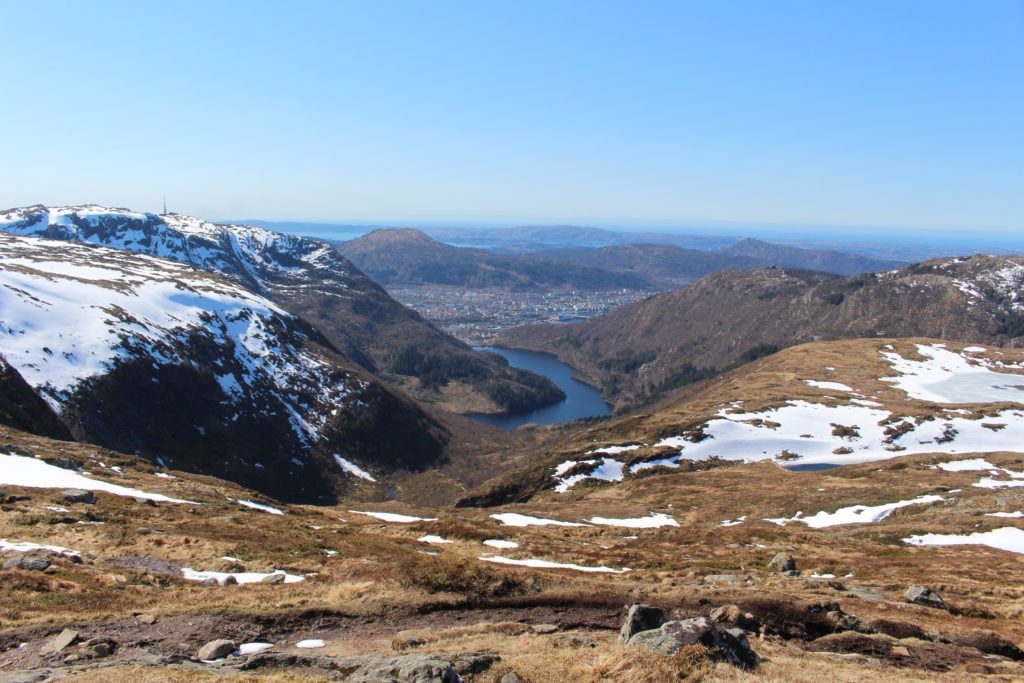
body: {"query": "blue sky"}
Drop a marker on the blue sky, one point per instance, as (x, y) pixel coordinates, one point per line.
(895, 114)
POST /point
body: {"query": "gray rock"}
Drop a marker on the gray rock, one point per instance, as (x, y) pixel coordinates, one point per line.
(216, 649)
(922, 595)
(229, 580)
(728, 645)
(99, 647)
(783, 562)
(544, 629)
(36, 564)
(79, 496)
(641, 618)
(273, 578)
(510, 677)
(65, 638)
(65, 463)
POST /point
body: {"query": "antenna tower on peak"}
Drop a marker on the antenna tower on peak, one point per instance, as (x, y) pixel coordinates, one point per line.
(165, 205)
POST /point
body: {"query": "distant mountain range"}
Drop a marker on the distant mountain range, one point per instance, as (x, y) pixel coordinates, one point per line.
(642, 350)
(307, 277)
(409, 256)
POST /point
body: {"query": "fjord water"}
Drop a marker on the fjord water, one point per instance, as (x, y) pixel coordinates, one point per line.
(581, 400)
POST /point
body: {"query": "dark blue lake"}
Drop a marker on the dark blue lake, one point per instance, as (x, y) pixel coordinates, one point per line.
(581, 400)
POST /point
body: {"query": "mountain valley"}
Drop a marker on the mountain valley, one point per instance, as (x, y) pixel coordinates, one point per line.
(220, 433)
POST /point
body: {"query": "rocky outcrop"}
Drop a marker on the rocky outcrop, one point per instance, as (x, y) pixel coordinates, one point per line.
(922, 595)
(726, 645)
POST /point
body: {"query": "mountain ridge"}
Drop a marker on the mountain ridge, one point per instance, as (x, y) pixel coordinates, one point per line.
(642, 350)
(312, 280)
(153, 356)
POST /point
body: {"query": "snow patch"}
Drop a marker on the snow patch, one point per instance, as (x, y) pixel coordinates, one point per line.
(516, 519)
(1005, 538)
(651, 521)
(257, 506)
(394, 517)
(18, 470)
(352, 468)
(545, 564)
(240, 577)
(432, 538)
(855, 514)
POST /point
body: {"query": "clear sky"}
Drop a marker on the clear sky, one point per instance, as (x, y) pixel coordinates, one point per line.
(895, 113)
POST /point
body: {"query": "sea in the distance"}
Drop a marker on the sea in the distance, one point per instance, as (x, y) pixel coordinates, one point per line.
(581, 400)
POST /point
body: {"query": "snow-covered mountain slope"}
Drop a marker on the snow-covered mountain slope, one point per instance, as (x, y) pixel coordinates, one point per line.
(306, 277)
(148, 355)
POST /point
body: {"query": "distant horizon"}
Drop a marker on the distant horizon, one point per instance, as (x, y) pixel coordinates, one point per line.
(784, 118)
(767, 230)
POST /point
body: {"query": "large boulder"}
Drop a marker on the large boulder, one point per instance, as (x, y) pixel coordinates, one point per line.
(727, 645)
(922, 595)
(783, 562)
(641, 618)
(216, 649)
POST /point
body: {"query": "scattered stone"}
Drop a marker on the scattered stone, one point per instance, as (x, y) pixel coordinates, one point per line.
(641, 618)
(147, 618)
(733, 616)
(371, 668)
(36, 564)
(728, 645)
(922, 595)
(273, 578)
(510, 677)
(404, 641)
(65, 638)
(841, 621)
(65, 463)
(99, 647)
(229, 580)
(729, 614)
(899, 651)
(79, 496)
(147, 501)
(783, 562)
(217, 649)
(544, 629)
